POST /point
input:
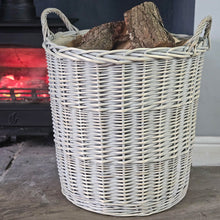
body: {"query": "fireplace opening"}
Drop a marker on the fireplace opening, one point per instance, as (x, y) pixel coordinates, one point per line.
(23, 75)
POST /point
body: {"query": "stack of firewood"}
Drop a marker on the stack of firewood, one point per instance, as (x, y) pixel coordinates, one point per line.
(142, 27)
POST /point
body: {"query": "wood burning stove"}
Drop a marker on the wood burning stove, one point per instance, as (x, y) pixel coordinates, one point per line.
(24, 98)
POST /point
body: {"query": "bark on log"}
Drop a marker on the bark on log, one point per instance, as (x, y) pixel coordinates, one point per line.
(76, 42)
(102, 37)
(145, 27)
(123, 41)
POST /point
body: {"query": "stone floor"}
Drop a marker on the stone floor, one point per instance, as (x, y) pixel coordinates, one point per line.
(30, 189)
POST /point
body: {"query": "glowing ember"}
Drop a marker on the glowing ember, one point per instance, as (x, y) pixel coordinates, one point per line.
(10, 77)
(9, 81)
(23, 86)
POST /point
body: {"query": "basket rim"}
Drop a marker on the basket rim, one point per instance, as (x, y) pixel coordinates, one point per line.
(123, 56)
(193, 47)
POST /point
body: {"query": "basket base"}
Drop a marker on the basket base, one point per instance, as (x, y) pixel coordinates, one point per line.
(109, 210)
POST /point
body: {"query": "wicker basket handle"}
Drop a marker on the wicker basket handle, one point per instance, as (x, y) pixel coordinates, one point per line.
(204, 26)
(45, 29)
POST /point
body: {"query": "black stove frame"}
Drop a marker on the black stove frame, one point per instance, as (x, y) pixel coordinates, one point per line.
(24, 112)
(21, 119)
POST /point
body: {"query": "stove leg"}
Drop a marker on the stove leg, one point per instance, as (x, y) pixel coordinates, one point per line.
(3, 138)
(13, 138)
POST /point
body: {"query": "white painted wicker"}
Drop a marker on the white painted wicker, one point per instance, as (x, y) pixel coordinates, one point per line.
(124, 122)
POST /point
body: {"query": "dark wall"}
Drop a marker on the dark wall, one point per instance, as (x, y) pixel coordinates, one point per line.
(178, 15)
(183, 16)
(92, 13)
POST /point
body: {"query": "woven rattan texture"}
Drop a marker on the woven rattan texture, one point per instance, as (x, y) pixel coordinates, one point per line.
(124, 124)
(123, 133)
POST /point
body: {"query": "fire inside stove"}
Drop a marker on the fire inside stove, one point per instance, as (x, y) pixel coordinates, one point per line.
(23, 75)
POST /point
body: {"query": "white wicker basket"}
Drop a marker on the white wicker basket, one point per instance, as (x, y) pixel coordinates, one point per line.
(124, 122)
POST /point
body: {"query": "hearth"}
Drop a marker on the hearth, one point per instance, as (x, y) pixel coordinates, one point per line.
(24, 97)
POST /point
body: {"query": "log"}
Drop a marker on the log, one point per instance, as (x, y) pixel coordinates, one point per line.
(103, 37)
(145, 27)
(76, 42)
(123, 41)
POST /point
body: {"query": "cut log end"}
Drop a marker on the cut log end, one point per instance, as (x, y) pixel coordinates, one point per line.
(145, 27)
